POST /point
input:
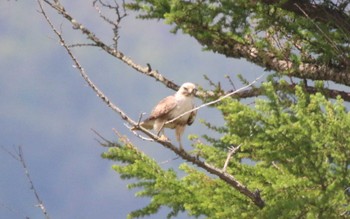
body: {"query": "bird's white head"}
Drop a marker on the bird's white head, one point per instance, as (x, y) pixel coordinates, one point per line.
(187, 89)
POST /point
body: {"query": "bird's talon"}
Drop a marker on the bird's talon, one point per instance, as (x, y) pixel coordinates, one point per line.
(164, 138)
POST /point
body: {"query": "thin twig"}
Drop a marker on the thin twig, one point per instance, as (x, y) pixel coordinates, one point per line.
(99, 135)
(132, 129)
(103, 138)
(82, 45)
(277, 167)
(319, 29)
(140, 118)
(10, 153)
(14, 211)
(167, 161)
(20, 158)
(231, 82)
(116, 23)
(24, 165)
(123, 138)
(103, 16)
(232, 151)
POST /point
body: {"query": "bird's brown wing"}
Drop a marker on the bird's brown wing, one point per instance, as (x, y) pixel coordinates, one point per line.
(163, 107)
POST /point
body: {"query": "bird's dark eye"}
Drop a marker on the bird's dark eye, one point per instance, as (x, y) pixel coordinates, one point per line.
(185, 88)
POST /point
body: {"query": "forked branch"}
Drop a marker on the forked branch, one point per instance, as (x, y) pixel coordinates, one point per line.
(232, 150)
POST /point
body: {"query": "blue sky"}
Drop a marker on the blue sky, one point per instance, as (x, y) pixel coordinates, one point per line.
(48, 109)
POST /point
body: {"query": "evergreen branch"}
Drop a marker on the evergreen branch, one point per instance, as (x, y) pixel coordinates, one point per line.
(223, 43)
(331, 93)
(270, 61)
(228, 178)
(330, 41)
(318, 12)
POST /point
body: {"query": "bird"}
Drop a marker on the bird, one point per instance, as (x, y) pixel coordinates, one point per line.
(170, 108)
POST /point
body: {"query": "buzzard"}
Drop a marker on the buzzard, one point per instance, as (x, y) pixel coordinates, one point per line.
(170, 108)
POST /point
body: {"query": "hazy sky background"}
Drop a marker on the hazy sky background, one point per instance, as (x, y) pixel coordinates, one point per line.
(47, 108)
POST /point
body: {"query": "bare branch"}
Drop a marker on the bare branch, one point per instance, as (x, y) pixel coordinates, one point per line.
(81, 69)
(276, 166)
(10, 153)
(104, 139)
(133, 130)
(14, 211)
(24, 165)
(82, 45)
(232, 151)
(140, 118)
(20, 158)
(231, 81)
(112, 51)
(167, 161)
(258, 91)
(115, 23)
(230, 47)
(123, 138)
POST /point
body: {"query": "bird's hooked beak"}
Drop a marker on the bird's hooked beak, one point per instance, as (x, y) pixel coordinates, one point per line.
(194, 91)
(190, 92)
